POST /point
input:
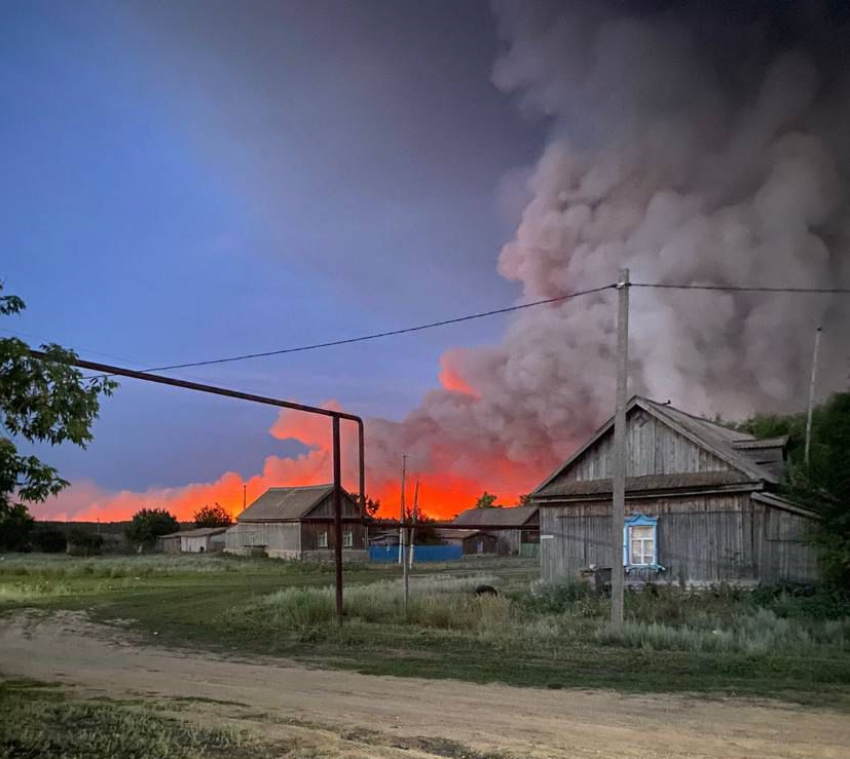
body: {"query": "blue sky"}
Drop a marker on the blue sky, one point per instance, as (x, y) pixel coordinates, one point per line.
(197, 179)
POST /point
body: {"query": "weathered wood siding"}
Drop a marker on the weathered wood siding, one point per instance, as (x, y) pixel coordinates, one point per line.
(280, 539)
(701, 539)
(654, 448)
(310, 535)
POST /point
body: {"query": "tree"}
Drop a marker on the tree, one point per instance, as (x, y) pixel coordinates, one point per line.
(487, 501)
(41, 401)
(213, 516)
(372, 506)
(824, 483)
(524, 499)
(82, 543)
(149, 524)
(48, 539)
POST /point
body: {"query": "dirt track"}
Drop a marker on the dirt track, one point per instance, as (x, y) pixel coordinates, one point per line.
(331, 713)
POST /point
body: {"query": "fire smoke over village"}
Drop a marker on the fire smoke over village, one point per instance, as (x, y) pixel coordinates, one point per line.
(694, 143)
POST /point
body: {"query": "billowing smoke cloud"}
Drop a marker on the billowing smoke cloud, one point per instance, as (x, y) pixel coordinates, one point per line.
(700, 143)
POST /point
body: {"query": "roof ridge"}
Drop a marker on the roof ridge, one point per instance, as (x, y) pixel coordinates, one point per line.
(696, 417)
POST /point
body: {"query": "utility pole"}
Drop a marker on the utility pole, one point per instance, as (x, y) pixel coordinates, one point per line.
(812, 383)
(337, 469)
(244, 497)
(412, 540)
(618, 506)
(402, 515)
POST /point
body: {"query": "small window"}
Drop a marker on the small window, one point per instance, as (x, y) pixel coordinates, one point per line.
(641, 545)
(323, 539)
(348, 539)
(640, 541)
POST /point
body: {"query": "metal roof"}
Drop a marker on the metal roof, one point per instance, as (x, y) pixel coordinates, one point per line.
(510, 517)
(449, 534)
(286, 504)
(197, 532)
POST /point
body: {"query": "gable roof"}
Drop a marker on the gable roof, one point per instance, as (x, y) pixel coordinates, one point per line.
(286, 504)
(446, 533)
(493, 518)
(730, 446)
(197, 532)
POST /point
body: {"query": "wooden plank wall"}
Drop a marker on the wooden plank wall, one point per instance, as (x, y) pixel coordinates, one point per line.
(701, 539)
(654, 448)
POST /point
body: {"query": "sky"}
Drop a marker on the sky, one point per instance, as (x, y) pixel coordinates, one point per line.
(202, 179)
(189, 180)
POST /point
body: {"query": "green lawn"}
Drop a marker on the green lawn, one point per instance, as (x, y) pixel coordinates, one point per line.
(720, 642)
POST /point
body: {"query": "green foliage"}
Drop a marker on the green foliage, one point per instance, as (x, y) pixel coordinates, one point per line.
(42, 723)
(487, 501)
(48, 539)
(149, 524)
(824, 483)
(82, 543)
(212, 516)
(41, 401)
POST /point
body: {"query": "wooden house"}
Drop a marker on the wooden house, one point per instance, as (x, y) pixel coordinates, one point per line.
(297, 523)
(517, 529)
(701, 505)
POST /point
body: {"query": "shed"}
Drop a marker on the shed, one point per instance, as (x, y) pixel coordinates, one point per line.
(297, 523)
(701, 505)
(196, 540)
(517, 529)
(472, 541)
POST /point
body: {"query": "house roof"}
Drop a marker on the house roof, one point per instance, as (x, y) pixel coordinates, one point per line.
(729, 445)
(449, 534)
(493, 518)
(285, 504)
(197, 532)
(651, 483)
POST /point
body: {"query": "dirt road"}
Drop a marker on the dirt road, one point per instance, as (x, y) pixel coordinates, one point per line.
(345, 714)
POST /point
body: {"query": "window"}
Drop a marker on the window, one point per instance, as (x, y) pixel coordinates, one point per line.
(640, 545)
(323, 539)
(348, 539)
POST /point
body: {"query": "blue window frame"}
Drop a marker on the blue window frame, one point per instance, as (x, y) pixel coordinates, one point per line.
(640, 541)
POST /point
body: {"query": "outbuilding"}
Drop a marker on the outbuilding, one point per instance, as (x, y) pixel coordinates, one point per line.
(196, 540)
(702, 505)
(517, 529)
(296, 523)
(472, 541)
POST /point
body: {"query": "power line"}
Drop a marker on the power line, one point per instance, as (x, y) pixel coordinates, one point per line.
(747, 289)
(378, 335)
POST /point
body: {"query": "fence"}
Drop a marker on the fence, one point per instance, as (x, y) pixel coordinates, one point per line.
(420, 553)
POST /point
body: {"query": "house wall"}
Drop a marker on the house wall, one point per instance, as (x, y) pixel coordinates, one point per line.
(282, 540)
(654, 448)
(195, 544)
(170, 545)
(310, 536)
(488, 544)
(701, 539)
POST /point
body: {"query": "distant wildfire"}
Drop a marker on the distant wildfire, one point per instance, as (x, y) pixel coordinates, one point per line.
(695, 143)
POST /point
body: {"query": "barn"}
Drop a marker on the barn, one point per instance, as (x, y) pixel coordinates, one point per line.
(517, 529)
(702, 505)
(471, 541)
(293, 523)
(196, 540)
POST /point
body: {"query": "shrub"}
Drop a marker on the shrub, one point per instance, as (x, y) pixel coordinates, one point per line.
(82, 543)
(149, 524)
(49, 539)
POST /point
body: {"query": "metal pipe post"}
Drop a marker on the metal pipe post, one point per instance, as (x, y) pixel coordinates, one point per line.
(337, 518)
(811, 403)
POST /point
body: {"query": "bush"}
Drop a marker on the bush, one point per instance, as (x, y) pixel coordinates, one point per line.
(49, 539)
(149, 524)
(82, 543)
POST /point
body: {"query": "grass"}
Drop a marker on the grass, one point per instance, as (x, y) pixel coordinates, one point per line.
(40, 722)
(777, 642)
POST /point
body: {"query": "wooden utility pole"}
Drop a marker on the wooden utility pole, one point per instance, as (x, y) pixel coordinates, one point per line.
(414, 518)
(402, 515)
(618, 506)
(811, 404)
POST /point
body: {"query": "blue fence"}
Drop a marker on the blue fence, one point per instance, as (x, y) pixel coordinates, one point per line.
(420, 553)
